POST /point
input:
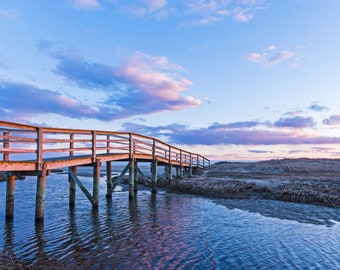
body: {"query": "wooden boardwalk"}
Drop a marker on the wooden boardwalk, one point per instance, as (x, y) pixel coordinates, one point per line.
(37, 151)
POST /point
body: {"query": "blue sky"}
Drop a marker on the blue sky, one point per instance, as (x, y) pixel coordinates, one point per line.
(229, 79)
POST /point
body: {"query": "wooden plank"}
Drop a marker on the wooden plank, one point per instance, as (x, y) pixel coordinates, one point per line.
(11, 166)
(17, 150)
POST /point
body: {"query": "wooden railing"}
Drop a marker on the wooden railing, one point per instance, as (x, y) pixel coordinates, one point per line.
(20, 142)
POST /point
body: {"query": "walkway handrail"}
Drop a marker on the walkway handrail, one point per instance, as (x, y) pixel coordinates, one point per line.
(19, 142)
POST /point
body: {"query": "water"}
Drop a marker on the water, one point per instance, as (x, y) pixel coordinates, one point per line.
(167, 231)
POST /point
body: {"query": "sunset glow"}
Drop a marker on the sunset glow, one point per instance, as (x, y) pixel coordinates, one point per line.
(232, 80)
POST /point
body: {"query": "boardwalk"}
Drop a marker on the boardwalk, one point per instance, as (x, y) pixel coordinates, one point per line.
(38, 151)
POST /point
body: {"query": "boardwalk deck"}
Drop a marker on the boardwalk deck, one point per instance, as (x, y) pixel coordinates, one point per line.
(33, 150)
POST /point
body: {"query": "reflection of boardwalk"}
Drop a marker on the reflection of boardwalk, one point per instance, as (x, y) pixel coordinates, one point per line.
(37, 151)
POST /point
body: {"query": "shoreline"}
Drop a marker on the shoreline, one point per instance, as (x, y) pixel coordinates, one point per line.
(310, 181)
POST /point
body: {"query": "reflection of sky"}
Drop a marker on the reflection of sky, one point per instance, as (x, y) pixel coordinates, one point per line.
(303, 213)
(168, 231)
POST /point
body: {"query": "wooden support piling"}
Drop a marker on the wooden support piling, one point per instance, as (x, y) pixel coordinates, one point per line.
(10, 196)
(169, 176)
(109, 180)
(135, 177)
(83, 189)
(131, 179)
(72, 195)
(96, 181)
(154, 177)
(40, 196)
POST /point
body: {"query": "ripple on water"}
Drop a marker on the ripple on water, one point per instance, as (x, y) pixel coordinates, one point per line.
(170, 231)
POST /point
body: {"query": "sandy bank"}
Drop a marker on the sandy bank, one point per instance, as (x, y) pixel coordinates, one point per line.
(314, 181)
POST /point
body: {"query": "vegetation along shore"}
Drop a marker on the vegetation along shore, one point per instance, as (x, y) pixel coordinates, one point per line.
(314, 181)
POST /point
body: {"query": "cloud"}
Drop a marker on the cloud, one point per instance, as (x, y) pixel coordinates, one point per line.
(317, 108)
(322, 149)
(86, 4)
(243, 15)
(333, 120)
(256, 57)
(155, 5)
(271, 56)
(8, 14)
(279, 57)
(44, 45)
(151, 8)
(195, 12)
(23, 101)
(222, 134)
(244, 124)
(295, 122)
(260, 151)
(85, 74)
(142, 84)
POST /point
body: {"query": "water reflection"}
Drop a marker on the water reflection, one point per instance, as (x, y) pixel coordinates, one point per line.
(169, 231)
(8, 235)
(303, 213)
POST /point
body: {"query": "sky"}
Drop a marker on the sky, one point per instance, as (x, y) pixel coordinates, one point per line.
(228, 79)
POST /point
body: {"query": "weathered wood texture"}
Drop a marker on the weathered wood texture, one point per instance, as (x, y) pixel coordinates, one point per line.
(32, 148)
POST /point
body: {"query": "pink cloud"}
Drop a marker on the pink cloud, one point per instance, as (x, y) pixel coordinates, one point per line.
(270, 56)
(195, 12)
(86, 4)
(243, 15)
(333, 120)
(279, 57)
(144, 72)
(255, 57)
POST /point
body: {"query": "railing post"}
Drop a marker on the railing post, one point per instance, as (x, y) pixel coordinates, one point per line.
(181, 164)
(170, 165)
(108, 144)
(71, 144)
(190, 168)
(40, 144)
(130, 145)
(94, 145)
(6, 145)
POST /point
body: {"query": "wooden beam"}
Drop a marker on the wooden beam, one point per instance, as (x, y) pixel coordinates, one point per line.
(83, 189)
(118, 179)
